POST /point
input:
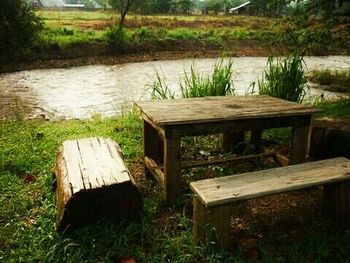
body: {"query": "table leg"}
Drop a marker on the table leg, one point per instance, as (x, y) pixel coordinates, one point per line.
(233, 142)
(300, 141)
(152, 145)
(255, 139)
(172, 170)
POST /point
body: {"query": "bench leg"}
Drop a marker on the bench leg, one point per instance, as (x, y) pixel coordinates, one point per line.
(152, 145)
(233, 142)
(336, 202)
(211, 224)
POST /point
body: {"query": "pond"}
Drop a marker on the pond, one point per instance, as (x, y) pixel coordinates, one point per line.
(80, 92)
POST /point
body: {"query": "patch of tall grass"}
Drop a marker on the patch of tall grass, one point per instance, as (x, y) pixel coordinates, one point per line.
(160, 89)
(218, 84)
(195, 84)
(284, 78)
(340, 79)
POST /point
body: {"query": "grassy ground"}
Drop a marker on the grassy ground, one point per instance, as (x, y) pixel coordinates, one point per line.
(283, 228)
(65, 30)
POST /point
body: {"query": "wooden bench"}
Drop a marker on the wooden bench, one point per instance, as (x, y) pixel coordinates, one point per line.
(93, 183)
(214, 198)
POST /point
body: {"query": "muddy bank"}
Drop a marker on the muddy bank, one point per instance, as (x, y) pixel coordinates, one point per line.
(97, 54)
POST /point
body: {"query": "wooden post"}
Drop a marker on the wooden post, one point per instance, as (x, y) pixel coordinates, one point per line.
(336, 202)
(300, 140)
(211, 223)
(172, 169)
(152, 145)
(255, 139)
(233, 142)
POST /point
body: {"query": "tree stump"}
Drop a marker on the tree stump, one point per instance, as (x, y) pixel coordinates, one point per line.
(93, 183)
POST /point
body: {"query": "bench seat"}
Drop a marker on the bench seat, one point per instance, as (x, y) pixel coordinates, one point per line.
(213, 197)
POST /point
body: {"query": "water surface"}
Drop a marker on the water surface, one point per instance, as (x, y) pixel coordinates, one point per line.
(79, 92)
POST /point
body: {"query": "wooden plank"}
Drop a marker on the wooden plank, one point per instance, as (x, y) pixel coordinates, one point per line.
(212, 109)
(111, 170)
(231, 126)
(187, 164)
(219, 191)
(155, 170)
(172, 170)
(281, 160)
(88, 165)
(71, 156)
(119, 170)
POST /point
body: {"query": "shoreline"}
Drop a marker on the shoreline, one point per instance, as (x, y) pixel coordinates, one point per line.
(97, 55)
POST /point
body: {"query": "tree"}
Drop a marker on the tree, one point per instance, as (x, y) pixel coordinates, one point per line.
(185, 6)
(19, 28)
(215, 5)
(123, 6)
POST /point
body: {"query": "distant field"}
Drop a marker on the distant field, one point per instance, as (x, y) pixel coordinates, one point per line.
(101, 19)
(73, 34)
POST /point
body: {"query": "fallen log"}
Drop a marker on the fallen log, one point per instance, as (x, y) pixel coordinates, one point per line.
(93, 183)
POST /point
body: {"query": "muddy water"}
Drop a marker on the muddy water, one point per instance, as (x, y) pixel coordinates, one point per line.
(80, 92)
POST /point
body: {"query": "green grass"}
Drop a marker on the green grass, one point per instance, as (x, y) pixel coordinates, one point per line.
(74, 15)
(338, 109)
(67, 37)
(338, 80)
(27, 206)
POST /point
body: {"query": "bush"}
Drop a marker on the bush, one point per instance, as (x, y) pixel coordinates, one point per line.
(117, 38)
(19, 28)
(285, 79)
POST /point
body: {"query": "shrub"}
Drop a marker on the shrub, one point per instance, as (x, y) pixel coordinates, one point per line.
(116, 37)
(285, 79)
(19, 28)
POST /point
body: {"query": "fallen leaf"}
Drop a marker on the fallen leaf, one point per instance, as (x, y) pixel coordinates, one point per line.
(127, 259)
(28, 179)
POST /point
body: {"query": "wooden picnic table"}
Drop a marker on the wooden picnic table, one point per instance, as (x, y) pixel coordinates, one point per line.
(166, 121)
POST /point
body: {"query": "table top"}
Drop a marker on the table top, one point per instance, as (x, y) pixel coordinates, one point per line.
(213, 109)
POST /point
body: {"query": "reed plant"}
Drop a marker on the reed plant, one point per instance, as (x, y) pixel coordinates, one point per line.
(195, 84)
(219, 83)
(160, 89)
(284, 78)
